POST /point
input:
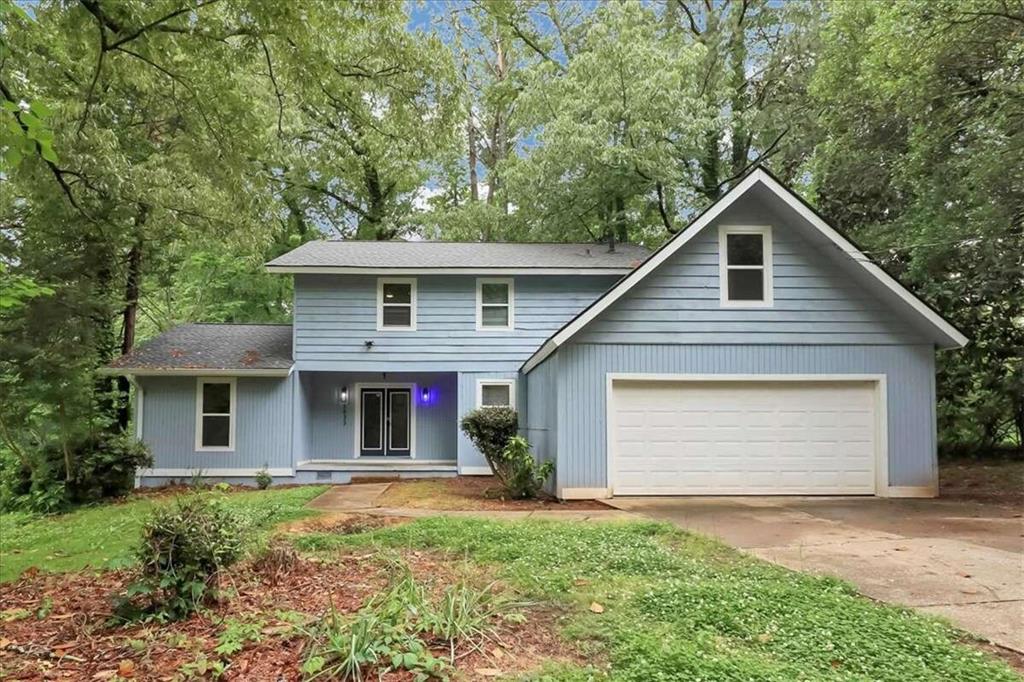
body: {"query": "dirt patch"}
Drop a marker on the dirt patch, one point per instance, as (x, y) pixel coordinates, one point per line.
(469, 493)
(342, 523)
(57, 626)
(997, 482)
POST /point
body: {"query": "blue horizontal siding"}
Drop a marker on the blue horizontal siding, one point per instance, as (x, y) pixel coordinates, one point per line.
(336, 314)
(583, 369)
(262, 424)
(815, 302)
(329, 431)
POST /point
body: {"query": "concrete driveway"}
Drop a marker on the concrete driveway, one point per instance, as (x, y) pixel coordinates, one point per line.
(960, 560)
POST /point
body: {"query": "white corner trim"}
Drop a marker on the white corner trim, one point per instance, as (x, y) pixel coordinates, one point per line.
(713, 212)
(232, 413)
(384, 272)
(139, 404)
(767, 274)
(210, 473)
(583, 493)
(511, 284)
(411, 281)
(912, 491)
(475, 471)
(511, 383)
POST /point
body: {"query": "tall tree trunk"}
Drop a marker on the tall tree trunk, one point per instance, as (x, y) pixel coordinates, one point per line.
(132, 289)
(474, 181)
(498, 130)
(739, 99)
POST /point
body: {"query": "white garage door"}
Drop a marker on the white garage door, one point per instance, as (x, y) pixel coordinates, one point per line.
(743, 437)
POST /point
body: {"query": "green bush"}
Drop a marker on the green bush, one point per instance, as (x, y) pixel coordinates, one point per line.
(184, 546)
(493, 431)
(263, 478)
(526, 476)
(101, 466)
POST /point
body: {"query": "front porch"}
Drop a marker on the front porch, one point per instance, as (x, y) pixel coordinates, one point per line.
(366, 423)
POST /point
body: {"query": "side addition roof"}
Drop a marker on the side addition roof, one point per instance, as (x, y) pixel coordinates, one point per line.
(193, 349)
(430, 257)
(860, 266)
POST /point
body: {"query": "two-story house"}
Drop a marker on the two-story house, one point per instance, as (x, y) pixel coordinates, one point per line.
(758, 351)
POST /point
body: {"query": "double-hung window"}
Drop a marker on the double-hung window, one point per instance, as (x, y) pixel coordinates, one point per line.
(215, 414)
(396, 304)
(496, 393)
(495, 304)
(745, 266)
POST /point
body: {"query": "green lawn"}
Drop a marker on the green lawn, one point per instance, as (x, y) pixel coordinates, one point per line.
(105, 535)
(682, 607)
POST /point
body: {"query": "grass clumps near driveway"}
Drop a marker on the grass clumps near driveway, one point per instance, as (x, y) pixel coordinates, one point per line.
(107, 535)
(660, 604)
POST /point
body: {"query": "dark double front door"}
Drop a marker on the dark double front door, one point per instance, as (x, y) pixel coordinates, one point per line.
(385, 422)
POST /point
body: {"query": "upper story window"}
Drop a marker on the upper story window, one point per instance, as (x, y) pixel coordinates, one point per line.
(396, 303)
(215, 414)
(745, 266)
(495, 304)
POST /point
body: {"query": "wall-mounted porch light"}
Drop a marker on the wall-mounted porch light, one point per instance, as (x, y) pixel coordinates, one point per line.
(425, 394)
(341, 397)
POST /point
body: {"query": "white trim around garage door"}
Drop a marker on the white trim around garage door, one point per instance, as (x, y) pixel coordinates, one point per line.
(881, 420)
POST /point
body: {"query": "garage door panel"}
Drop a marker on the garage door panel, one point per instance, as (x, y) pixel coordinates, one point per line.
(734, 438)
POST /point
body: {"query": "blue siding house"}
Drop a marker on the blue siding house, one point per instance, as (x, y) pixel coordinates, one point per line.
(756, 352)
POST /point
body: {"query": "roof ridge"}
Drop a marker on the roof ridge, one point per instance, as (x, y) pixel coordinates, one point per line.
(236, 324)
(474, 243)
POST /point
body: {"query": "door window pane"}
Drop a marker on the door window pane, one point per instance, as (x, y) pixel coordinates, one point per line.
(495, 395)
(745, 249)
(372, 417)
(216, 431)
(746, 285)
(216, 398)
(398, 434)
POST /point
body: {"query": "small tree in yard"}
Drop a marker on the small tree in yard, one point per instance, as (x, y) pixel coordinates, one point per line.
(493, 431)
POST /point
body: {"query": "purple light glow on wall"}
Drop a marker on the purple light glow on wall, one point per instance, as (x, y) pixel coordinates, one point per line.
(427, 395)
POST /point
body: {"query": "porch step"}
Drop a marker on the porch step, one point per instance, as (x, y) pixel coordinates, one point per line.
(376, 479)
(361, 467)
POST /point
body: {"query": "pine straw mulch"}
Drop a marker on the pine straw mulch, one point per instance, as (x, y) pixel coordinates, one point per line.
(73, 639)
(470, 493)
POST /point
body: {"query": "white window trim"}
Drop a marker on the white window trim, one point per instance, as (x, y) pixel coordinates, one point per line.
(508, 281)
(411, 281)
(766, 266)
(357, 392)
(233, 411)
(511, 383)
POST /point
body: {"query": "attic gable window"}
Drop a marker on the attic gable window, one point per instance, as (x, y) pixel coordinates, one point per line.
(396, 304)
(745, 266)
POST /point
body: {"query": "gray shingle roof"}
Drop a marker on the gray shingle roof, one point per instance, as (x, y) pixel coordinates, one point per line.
(213, 346)
(467, 256)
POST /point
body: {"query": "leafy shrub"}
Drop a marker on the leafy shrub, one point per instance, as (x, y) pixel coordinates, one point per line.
(57, 476)
(526, 476)
(184, 546)
(493, 431)
(263, 478)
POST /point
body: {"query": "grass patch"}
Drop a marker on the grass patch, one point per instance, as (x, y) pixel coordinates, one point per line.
(680, 606)
(106, 535)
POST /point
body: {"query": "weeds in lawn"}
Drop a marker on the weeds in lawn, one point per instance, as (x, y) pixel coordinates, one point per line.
(236, 634)
(400, 628)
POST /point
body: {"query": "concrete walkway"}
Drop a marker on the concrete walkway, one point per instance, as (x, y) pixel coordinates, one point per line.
(960, 560)
(363, 498)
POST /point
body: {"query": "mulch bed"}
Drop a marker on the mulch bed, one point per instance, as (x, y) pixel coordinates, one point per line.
(996, 482)
(72, 639)
(474, 493)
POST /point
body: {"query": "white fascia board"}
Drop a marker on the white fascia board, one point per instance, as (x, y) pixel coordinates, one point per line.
(339, 270)
(133, 372)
